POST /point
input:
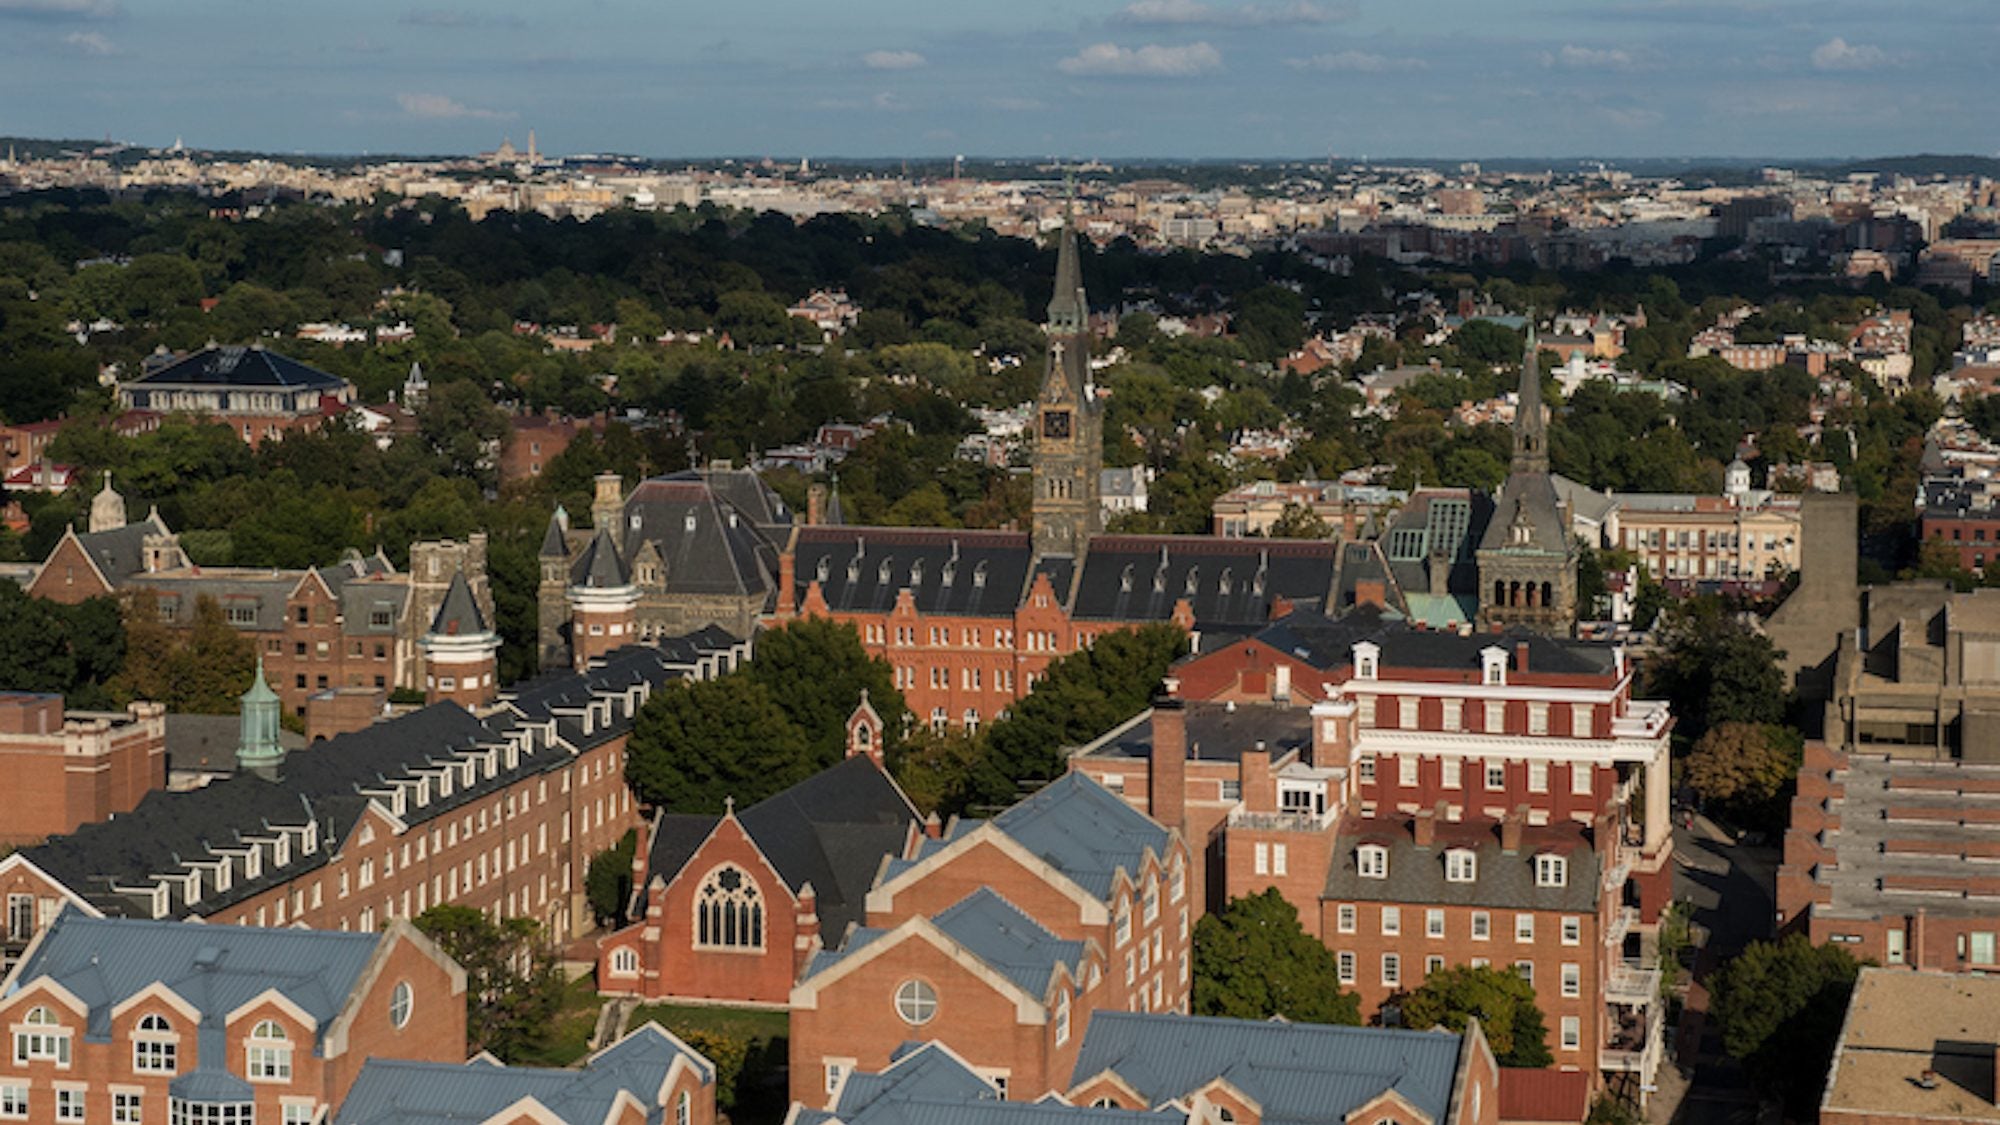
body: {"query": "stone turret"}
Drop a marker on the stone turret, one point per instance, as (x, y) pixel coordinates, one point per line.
(107, 509)
(603, 600)
(552, 595)
(461, 652)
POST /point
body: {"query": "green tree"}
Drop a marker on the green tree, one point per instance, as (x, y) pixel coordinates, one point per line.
(1297, 521)
(463, 426)
(818, 668)
(1254, 961)
(697, 745)
(513, 986)
(1779, 1006)
(1715, 668)
(1080, 697)
(608, 883)
(74, 650)
(1503, 1003)
(202, 669)
(1743, 768)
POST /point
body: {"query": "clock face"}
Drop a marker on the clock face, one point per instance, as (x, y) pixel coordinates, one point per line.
(1055, 424)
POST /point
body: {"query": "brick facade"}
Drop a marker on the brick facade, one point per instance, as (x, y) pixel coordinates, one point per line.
(61, 770)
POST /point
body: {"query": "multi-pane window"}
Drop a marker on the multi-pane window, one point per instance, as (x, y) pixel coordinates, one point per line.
(269, 1054)
(1392, 920)
(1572, 1033)
(1461, 865)
(1482, 925)
(1524, 927)
(69, 1104)
(13, 1099)
(1538, 777)
(1453, 772)
(153, 1046)
(1551, 871)
(1344, 962)
(1580, 779)
(41, 1039)
(1344, 918)
(1454, 714)
(729, 911)
(1525, 970)
(125, 1108)
(1572, 930)
(1496, 775)
(1406, 770)
(1572, 979)
(1372, 861)
(1434, 923)
(1392, 970)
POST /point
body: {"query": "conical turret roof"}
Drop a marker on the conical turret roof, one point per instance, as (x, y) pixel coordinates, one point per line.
(458, 615)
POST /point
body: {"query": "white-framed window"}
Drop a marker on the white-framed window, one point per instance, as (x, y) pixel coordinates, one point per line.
(1493, 666)
(1461, 865)
(69, 1103)
(1364, 711)
(42, 1038)
(1372, 861)
(1572, 929)
(13, 1100)
(1482, 925)
(1278, 859)
(1451, 773)
(624, 961)
(1406, 712)
(1177, 882)
(1432, 964)
(1364, 768)
(729, 910)
(1344, 966)
(126, 1107)
(1392, 970)
(1406, 770)
(1538, 777)
(1581, 778)
(1496, 775)
(1062, 1017)
(1525, 970)
(401, 999)
(836, 1069)
(1572, 1033)
(1260, 858)
(1392, 921)
(1150, 902)
(1343, 918)
(299, 1112)
(1367, 660)
(1452, 713)
(1496, 716)
(916, 1002)
(1524, 927)
(1434, 923)
(683, 1109)
(1581, 719)
(268, 1055)
(1572, 979)
(1123, 932)
(1538, 718)
(154, 1045)
(1551, 871)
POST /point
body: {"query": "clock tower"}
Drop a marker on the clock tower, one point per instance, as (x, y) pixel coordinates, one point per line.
(1067, 429)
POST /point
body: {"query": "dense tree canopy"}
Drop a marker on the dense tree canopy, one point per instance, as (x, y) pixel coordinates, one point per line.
(512, 983)
(1779, 1006)
(1499, 999)
(1253, 961)
(1715, 668)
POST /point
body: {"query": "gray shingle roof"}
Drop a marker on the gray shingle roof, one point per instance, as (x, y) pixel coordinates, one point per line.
(705, 543)
(217, 969)
(120, 552)
(394, 1092)
(240, 367)
(1302, 1074)
(1227, 582)
(864, 569)
(1503, 880)
(601, 566)
(458, 614)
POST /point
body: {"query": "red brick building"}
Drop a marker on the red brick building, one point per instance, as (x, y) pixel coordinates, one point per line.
(734, 906)
(1972, 533)
(1000, 939)
(534, 440)
(260, 394)
(63, 769)
(116, 1020)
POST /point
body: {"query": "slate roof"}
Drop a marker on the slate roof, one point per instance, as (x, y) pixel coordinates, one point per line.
(1528, 500)
(396, 1092)
(1077, 826)
(1504, 880)
(1225, 581)
(1302, 1074)
(1215, 732)
(831, 830)
(207, 743)
(240, 367)
(1445, 523)
(705, 543)
(991, 929)
(966, 573)
(600, 566)
(217, 969)
(1328, 642)
(120, 552)
(458, 614)
(925, 1084)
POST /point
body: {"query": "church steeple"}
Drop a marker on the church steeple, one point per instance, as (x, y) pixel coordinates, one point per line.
(1531, 423)
(1068, 454)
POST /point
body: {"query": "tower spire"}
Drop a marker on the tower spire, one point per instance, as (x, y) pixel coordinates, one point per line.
(1531, 424)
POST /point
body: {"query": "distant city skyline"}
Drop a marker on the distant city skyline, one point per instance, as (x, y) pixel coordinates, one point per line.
(1767, 79)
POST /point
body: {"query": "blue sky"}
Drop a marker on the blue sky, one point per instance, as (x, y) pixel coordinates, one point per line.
(1110, 78)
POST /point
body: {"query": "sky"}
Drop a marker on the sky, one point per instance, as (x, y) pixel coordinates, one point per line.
(1111, 79)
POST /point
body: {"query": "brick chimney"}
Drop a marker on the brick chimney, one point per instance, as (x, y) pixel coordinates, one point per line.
(1167, 787)
(1371, 591)
(1520, 656)
(815, 505)
(788, 573)
(1424, 828)
(1510, 828)
(1253, 772)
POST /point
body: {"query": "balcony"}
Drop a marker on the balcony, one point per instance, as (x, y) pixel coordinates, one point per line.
(1645, 718)
(1299, 821)
(1638, 1040)
(1622, 921)
(1630, 984)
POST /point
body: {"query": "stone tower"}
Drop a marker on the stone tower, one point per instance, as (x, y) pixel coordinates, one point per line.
(1527, 559)
(461, 651)
(1068, 451)
(107, 508)
(552, 595)
(603, 601)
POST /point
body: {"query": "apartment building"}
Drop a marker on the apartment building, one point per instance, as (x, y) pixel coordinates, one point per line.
(63, 769)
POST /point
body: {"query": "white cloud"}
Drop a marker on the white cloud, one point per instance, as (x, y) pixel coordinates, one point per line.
(1573, 57)
(1837, 54)
(893, 60)
(1357, 62)
(1152, 60)
(437, 107)
(1193, 12)
(90, 43)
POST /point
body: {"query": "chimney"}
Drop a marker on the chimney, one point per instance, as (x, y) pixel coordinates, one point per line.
(788, 573)
(1520, 656)
(1424, 828)
(1253, 772)
(815, 505)
(1281, 606)
(1167, 787)
(1371, 591)
(1510, 828)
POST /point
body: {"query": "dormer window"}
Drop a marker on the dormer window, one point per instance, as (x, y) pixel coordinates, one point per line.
(1461, 865)
(979, 576)
(1193, 580)
(917, 573)
(1367, 660)
(1125, 580)
(854, 570)
(1551, 871)
(950, 571)
(821, 570)
(1224, 583)
(882, 573)
(1372, 861)
(1493, 666)
(689, 523)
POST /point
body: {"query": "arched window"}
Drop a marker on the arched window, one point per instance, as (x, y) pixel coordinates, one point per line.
(42, 1039)
(401, 1000)
(683, 1109)
(624, 961)
(154, 1045)
(269, 1053)
(729, 911)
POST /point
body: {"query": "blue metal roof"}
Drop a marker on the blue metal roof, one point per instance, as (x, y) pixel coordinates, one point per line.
(1302, 1074)
(928, 1085)
(103, 961)
(1015, 945)
(1083, 830)
(391, 1092)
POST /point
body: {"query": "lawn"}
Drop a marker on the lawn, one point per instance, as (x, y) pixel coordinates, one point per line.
(569, 1032)
(758, 1093)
